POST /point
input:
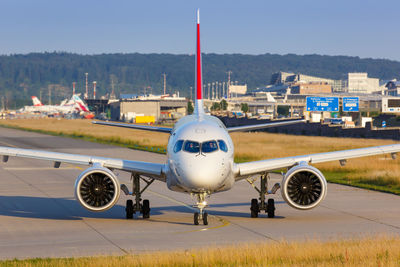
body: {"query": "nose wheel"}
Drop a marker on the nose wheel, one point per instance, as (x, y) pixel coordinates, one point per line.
(197, 218)
(201, 205)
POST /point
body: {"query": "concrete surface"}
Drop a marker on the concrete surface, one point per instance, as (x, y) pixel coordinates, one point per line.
(39, 216)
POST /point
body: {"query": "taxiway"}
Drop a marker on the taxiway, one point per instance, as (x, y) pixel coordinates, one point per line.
(39, 216)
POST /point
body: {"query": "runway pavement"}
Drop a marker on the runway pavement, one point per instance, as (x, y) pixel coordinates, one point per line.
(39, 216)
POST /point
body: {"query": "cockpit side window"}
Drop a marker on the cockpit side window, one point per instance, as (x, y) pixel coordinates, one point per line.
(191, 147)
(209, 146)
(178, 146)
(222, 145)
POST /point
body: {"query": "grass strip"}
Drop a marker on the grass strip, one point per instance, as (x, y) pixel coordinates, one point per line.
(381, 185)
(375, 251)
(87, 137)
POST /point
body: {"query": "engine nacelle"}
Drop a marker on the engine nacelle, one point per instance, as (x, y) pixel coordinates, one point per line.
(304, 187)
(97, 189)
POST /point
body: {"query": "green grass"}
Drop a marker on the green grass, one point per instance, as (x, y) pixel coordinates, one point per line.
(381, 184)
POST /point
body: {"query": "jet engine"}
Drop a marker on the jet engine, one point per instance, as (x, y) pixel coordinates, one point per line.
(304, 187)
(97, 189)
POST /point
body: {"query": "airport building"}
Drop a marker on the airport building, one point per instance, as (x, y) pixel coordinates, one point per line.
(154, 109)
(311, 88)
(392, 88)
(235, 90)
(290, 79)
(360, 83)
(391, 105)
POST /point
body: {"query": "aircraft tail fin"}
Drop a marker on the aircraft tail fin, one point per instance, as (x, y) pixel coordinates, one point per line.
(36, 101)
(81, 105)
(199, 108)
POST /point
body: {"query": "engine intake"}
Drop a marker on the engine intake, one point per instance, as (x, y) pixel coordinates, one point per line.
(97, 189)
(304, 187)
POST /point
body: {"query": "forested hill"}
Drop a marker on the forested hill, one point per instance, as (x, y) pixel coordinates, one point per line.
(24, 75)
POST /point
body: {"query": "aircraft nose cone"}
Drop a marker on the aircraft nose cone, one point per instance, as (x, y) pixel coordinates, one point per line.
(204, 176)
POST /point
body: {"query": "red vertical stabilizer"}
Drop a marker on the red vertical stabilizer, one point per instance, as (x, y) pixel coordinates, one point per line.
(199, 80)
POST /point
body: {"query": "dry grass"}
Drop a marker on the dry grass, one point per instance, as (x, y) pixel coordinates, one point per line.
(365, 252)
(377, 170)
(85, 127)
(257, 146)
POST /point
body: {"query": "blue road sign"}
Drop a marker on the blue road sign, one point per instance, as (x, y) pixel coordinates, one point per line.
(383, 124)
(351, 104)
(322, 103)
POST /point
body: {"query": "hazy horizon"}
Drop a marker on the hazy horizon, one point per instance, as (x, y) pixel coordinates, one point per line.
(365, 29)
(176, 54)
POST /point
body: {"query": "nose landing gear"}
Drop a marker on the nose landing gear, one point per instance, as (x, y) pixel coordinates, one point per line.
(139, 206)
(201, 204)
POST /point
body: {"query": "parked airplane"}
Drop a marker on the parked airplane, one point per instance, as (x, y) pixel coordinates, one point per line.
(199, 162)
(75, 104)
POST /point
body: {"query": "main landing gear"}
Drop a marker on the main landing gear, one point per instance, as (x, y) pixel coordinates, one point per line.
(201, 204)
(257, 206)
(142, 207)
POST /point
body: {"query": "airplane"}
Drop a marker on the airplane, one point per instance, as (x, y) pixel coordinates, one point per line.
(75, 104)
(200, 162)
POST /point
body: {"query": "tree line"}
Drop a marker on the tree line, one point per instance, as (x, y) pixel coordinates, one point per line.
(53, 73)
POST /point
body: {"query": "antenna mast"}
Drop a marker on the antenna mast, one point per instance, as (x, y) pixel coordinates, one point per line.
(94, 89)
(165, 83)
(73, 88)
(229, 83)
(87, 92)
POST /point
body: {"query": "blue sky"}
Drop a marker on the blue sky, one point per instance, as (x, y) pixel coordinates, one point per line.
(355, 28)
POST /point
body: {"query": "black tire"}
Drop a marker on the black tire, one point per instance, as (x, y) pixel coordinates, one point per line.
(129, 209)
(196, 218)
(271, 208)
(205, 218)
(254, 208)
(146, 209)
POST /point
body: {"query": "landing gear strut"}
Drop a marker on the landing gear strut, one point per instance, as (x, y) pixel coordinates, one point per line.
(257, 206)
(201, 204)
(139, 206)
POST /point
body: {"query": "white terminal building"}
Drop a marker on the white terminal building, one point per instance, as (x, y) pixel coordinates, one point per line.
(235, 90)
(359, 82)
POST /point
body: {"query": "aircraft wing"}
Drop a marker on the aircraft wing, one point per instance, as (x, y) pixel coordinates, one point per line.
(153, 170)
(261, 126)
(135, 126)
(254, 167)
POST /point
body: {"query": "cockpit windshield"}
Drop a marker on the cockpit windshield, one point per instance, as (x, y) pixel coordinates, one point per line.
(209, 146)
(197, 147)
(222, 145)
(191, 147)
(178, 146)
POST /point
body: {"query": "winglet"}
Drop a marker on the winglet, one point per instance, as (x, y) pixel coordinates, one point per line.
(199, 80)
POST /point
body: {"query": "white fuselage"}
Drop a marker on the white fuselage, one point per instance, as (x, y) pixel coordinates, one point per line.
(50, 109)
(200, 156)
